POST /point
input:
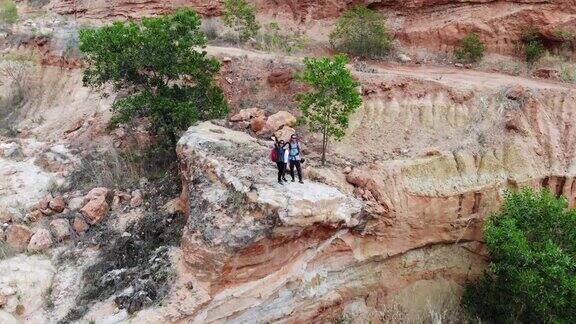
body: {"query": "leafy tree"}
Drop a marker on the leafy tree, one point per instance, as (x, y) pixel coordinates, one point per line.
(532, 274)
(332, 98)
(361, 31)
(471, 49)
(239, 15)
(157, 61)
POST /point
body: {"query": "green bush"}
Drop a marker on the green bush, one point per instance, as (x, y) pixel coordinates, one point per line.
(532, 44)
(362, 32)
(8, 12)
(471, 49)
(239, 15)
(532, 274)
(275, 39)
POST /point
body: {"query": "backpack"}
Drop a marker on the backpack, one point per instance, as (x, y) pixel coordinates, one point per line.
(274, 155)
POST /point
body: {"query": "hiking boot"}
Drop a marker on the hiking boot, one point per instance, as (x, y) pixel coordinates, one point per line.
(280, 182)
(301, 181)
(293, 180)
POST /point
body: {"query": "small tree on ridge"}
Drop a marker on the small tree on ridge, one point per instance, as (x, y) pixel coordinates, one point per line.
(332, 98)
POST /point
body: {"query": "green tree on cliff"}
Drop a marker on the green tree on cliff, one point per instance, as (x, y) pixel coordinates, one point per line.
(159, 63)
(332, 97)
(532, 274)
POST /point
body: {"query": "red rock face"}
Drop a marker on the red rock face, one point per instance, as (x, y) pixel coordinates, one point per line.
(126, 9)
(438, 24)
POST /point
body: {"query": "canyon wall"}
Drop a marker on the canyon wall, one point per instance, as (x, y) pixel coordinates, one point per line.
(436, 25)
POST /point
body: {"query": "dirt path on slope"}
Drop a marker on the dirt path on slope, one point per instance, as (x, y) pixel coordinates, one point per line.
(444, 75)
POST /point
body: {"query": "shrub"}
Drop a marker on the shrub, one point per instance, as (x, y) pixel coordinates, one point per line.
(274, 39)
(362, 32)
(533, 47)
(532, 274)
(471, 49)
(8, 12)
(239, 15)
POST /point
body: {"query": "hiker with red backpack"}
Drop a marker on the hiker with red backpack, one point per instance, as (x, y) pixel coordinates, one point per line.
(279, 154)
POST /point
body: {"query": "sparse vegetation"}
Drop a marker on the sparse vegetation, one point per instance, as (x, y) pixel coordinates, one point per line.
(532, 46)
(567, 37)
(134, 267)
(332, 98)
(240, 16)
(532, 245)
(159, 63)
(471, 49)
(8, 12)
(362, 32)
(21, 88)
(123, 169)
(568, 73)
(276, 39)
(6, 251)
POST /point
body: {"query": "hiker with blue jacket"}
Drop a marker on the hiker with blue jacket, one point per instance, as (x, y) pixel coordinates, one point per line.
(295, 157)
(280, 155)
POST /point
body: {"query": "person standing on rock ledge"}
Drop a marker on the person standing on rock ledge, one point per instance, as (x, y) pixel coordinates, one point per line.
(280, 156)
(295, 157)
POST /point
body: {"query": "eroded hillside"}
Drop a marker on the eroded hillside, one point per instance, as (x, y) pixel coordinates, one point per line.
(103, 225)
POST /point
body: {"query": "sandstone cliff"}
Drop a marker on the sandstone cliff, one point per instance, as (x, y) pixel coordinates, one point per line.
(303, 252)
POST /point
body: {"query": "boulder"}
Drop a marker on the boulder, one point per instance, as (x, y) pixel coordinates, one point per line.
(75, 203)
(97, 192)
(123, 197)
(5, 216)
(277, 121)
(280, 77)
(44, 205)
(33, 216)
(137, 199)
(545, 73)
(57, 204)
(40, 241)
(257, 123)
(60, 228)
(404, 58)
(247, 114)
(18, 236)
(285, 133)
(80, 225)
(95, 210)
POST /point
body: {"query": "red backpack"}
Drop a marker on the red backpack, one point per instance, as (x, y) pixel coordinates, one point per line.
(274, 155)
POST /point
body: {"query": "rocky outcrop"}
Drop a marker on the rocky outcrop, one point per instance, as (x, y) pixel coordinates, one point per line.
(268, 252)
